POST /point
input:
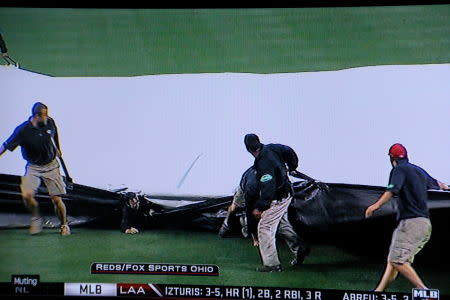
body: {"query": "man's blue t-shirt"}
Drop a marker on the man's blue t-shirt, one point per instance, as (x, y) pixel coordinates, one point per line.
(411, 183)
(35, 142)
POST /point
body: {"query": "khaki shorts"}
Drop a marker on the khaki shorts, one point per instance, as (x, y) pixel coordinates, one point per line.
(49, 173)
(408, 239)
(238, 198)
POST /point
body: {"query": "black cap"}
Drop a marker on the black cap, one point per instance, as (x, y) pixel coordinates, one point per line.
(37, 107)
(252, 142)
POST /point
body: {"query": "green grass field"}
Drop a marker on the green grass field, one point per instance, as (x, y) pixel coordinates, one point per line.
(127, 42)
(68, 259)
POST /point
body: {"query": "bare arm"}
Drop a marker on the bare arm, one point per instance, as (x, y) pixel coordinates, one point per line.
(442, 185)
(382, 200)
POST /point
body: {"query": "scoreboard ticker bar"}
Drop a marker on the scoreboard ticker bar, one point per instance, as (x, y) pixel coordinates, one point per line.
(180, 291)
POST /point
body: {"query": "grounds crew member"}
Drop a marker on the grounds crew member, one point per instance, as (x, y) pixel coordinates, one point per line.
(4, 52)
(135, 213)
(38, 139)
(244, 198)
(275, 195)
(413, 231)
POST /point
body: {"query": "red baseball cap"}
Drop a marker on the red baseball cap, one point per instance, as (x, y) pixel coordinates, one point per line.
(398, 151)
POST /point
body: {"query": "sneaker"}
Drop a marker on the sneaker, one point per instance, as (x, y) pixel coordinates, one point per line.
(301, 255)
(36, 225)
(223, 230)
(244, 229)
(298, 260)
(244, 232)
(269, 269)
(65, 230)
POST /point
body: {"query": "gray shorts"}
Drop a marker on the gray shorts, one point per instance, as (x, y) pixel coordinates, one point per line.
(49, 173)
(408, 239)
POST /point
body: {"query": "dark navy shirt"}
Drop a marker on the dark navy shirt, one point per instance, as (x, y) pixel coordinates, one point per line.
(35, 142)
(411, 183)
(272, 165)
(249, 185)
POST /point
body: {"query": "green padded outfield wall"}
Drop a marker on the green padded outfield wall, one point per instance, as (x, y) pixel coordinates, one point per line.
(129, 42)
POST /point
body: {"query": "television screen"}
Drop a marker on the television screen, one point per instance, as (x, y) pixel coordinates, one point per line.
(126, 142)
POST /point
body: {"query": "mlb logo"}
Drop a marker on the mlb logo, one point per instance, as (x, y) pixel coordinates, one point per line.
(424, 294)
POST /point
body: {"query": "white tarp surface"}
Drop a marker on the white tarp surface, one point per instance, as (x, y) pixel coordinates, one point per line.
(144, 132)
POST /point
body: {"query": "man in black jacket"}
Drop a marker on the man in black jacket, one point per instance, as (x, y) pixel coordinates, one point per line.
(135, 212)
(272, 164)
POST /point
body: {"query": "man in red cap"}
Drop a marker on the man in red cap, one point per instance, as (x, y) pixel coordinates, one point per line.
(413, 231)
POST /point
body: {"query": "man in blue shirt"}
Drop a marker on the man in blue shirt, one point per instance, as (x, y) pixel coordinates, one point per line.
(410, 183)
(38, 139)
